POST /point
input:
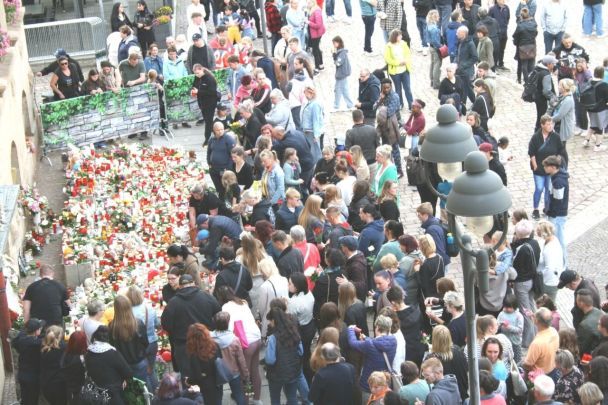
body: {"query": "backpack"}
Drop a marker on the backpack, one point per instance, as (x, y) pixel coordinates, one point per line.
(588, 97)
(531, 86)
(451, 248)
(487, 137)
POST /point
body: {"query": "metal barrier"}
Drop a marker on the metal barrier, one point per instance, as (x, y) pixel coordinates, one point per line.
(81, 38)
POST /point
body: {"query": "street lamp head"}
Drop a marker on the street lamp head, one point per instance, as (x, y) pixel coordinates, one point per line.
(478, 194)
(447, 143)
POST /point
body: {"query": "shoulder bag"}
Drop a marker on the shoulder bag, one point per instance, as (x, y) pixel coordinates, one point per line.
(519, 385)
(395, 382)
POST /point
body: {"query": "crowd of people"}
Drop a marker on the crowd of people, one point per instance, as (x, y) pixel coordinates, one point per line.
(299, 243)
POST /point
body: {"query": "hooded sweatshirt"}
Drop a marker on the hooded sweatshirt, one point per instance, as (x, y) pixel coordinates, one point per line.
(559, 190)
(232, 352)
(371, 238)
(432, 226)
(445, 392)
(342, 62)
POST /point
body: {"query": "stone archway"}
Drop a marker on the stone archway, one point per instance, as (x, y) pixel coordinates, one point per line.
(27, 116)
(15, 169)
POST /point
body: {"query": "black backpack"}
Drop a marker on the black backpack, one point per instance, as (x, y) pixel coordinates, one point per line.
(451, 248)
(487, 137)
(531, 86)
(588, 96)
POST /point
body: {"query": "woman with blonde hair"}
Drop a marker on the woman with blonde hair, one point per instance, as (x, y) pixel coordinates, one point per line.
(312, 219)
(378, 386)
(360, 164)
(327, 335)
(253, 255)
(389, 201)
(52, 382)
(333, 198)
(128, 335)
(386, 169)
(398, 57)
(432, 269)
(273, 178)
(551, 263)
(564, 113)
(274, 286)
(451, 357)
(147, 315)
(352, 310)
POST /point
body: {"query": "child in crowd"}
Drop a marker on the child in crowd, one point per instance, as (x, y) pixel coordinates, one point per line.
(504, 153)
(246, 25)
(222, 114)
(292, 169)
(433, 35)
(511, 324)
(378, 385)
(546, 301)
(343, 71)
(232, 20)
(504, 255)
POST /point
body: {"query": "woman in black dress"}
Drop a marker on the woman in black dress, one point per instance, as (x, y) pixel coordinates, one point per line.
(118, 17)
(242, 169)
(452, 87)
(205, 88)
(52, 382)
(484, 104)
(72, 366)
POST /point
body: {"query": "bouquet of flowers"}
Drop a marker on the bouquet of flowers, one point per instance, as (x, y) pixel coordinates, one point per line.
(162, 15)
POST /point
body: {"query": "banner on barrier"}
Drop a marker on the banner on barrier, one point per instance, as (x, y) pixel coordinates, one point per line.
(180, 106)
(94, 118)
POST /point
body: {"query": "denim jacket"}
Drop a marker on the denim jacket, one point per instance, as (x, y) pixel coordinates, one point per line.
(276, 184)
(312, 118)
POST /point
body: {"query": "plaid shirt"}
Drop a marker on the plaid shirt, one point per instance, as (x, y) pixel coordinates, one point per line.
(391, 102)
(273, 17)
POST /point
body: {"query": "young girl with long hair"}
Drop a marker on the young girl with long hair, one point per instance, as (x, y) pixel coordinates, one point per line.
(312, 219)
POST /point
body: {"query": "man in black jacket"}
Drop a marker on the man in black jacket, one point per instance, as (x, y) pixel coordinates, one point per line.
(470, 14)
(233, 275)
(219, 227)
(466, 59)
(493, 162)
(27, 343)
(190, 305)
(491, 24)
(294, 139)
(355, 268)
(575, 282)
(363, 135)
(290, 259)
(199, 53)
(369, 92)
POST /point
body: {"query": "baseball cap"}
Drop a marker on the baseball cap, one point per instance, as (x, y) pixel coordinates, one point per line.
(549, 59)
(60, 52)
(201, 219)
(185, 279)
(222, 107)
(350, 242)
(197, 36)
(485, 147)
(33, 325)
(566, 277)
(202, 234)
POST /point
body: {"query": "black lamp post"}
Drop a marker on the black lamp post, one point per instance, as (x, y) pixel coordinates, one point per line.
(477, 194)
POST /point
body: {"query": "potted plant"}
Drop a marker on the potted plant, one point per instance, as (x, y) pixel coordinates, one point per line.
(12, 8)
(161, 25)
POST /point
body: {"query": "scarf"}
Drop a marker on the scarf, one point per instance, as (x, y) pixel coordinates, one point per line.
(100, 347)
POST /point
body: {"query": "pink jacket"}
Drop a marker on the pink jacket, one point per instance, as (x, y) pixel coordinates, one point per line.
(315, 24)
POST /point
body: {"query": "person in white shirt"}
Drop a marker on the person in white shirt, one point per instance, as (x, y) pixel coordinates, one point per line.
(346, 182)
(551, 262)
(90, 323)
(112, 42)
(281, 49)
(195, 7)
(196, 26)
(301, 305)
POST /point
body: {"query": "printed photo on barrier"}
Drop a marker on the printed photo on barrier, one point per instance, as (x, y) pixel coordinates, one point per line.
(180, 105)
(95, 118)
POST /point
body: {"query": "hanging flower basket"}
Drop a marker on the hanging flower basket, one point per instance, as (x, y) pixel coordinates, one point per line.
(13, 9)
(5, 43)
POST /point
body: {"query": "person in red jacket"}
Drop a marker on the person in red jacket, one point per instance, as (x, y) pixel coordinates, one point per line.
(273, 21)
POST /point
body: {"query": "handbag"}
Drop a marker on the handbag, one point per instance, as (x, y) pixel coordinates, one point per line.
(519, 385)
(443, 51)
(239, 332)
(395, 382)
(92, 394)
(526, 52)
(414, 170)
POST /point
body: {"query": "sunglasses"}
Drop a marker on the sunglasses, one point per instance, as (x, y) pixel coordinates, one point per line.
(63, 63)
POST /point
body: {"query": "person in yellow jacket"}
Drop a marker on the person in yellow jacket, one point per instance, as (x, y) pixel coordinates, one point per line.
(398, 57)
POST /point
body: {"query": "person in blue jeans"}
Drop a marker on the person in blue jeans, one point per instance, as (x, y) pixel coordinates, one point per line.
(557, 210)
(368, 14)
(398, 58)
(553, 19)
(445, 10)
(329, 10)
(592, 15)
(283, 358)
(422, 8)
(343, 71)
(544, 143)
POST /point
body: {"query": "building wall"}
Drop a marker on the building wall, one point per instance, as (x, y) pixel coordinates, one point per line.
(18, 126)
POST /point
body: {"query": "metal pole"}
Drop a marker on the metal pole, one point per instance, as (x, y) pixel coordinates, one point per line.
(263, 21)
(468, 268)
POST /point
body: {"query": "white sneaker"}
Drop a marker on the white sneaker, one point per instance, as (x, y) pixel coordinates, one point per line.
(586, 143)
(577, 131)
(425, 51)
(599, 148)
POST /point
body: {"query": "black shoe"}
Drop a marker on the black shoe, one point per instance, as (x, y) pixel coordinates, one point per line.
(143, 135)
(535, 215)
(186, 125)
(200, 122)
(132, 136)
(175, 126)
